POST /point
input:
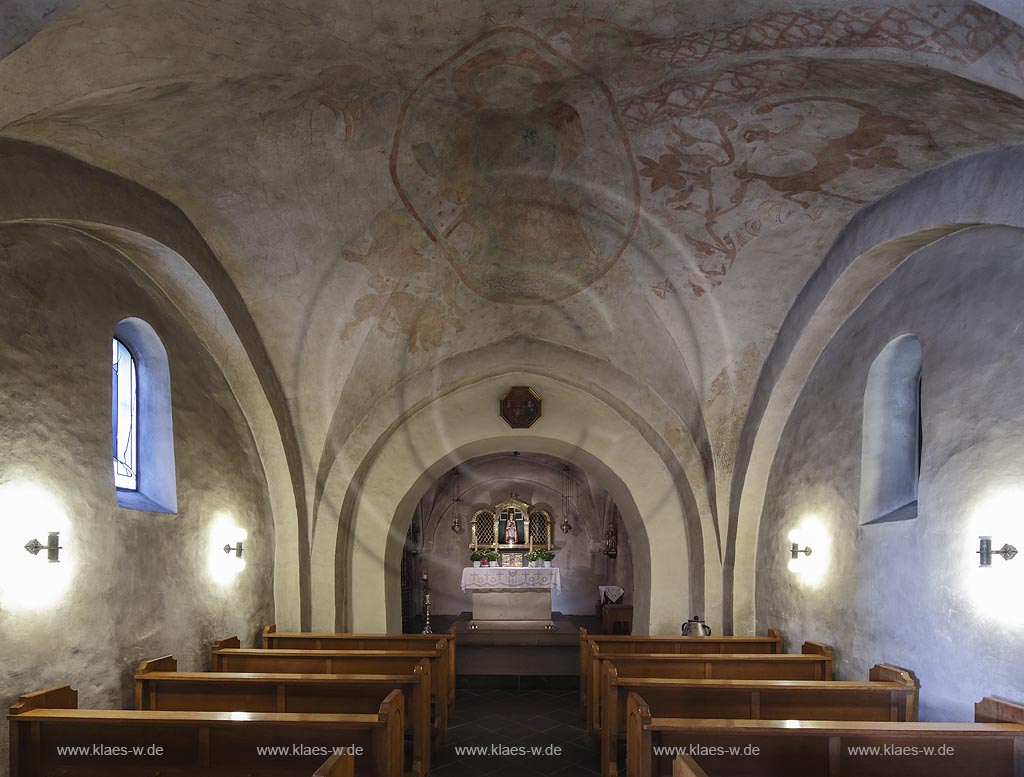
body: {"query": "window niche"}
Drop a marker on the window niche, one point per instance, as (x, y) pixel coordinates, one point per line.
(144, 473)
(891, 443)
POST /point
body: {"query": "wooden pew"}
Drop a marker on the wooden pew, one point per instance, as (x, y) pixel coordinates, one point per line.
(138, 743)
(992, 746)
(815, 662)
(890, 694)
(160, 686)
(625, 644)
(340, 765)
(228, 657)
(684, 766)
(296, 640)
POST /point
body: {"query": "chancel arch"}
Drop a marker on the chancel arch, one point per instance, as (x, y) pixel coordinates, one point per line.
(576, 427)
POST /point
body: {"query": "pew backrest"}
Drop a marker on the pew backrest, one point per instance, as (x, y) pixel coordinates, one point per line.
(50, 735)
(296, 640)
(159, 686)
(621, 644)
(891, 695)
(814, 663)
(231, 659)
(770, 748)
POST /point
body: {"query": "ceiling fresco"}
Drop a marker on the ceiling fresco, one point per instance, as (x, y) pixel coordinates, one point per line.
(393, 183)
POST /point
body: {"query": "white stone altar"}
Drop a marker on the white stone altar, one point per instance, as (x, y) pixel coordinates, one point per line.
(511, 597)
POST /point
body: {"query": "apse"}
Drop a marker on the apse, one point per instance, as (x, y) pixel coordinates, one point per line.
(587, 536)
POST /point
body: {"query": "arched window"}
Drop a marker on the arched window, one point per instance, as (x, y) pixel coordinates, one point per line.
(891, 443)
(125, 417)
(142, 431)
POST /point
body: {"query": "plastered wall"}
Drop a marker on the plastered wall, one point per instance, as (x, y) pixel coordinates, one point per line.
(911, 592)
(538, 481)
(139, 581)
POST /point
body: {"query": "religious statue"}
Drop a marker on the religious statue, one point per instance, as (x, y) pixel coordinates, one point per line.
(511, 531)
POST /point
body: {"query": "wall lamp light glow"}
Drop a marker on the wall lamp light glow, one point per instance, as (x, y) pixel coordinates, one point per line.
(27, 582)
(227, 543)
(52, 547)
(810, 533)
(985, 551)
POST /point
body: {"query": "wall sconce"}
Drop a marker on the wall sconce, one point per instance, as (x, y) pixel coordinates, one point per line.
(611, 541)
(570, 498)
(985, 551)
(52, 547)
(796, 550)
(457, 502)
(236, 549)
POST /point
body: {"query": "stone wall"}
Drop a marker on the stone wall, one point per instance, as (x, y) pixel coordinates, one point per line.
(139, 583)
(910, 592)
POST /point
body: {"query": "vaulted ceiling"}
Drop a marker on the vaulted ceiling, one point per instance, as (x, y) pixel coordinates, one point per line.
(391, 185)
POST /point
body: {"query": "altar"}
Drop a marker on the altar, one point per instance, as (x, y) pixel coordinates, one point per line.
(511, 595)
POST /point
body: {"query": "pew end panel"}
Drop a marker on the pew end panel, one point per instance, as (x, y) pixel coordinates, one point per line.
(821, 649)
(60, 697)
(685, 766)
(584, 651)
(389, 741)
(894, 674)
(269, 629)
(638, 738)
(776, 636)
(227, 642)
(995, 709)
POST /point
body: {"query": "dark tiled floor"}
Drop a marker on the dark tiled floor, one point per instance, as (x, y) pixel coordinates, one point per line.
(538, 721)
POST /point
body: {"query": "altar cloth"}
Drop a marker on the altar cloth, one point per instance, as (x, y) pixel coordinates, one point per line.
(479, 579)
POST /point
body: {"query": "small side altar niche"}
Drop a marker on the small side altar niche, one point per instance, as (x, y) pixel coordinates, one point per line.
(519, 597)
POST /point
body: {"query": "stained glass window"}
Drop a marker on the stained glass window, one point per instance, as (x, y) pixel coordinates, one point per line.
(125, 418)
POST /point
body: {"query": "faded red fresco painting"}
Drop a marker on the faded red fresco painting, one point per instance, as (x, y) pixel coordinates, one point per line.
(515, 164)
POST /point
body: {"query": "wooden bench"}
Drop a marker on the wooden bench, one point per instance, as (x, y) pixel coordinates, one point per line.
(142, 743)
(890, 694)
(160, 686)
(340, 765)
(296, 640)
(228, 657)
(993, 746)
(815, 662)
(624, 645)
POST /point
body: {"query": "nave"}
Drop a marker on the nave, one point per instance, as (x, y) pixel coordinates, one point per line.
(533, 720)
(391, 706)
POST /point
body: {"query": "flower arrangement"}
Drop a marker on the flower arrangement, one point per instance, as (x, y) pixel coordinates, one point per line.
(547, 556)
(532, 558)
(476, 557)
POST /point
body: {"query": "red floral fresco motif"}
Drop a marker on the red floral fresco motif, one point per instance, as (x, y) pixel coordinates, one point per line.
(965, 34)
(706, 177)
(349, 92)
(413, 290)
